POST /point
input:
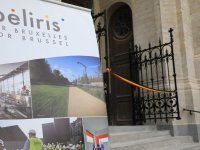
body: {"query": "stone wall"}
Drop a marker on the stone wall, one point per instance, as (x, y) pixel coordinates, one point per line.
(181, 19)
(195, 21)
(151, 20)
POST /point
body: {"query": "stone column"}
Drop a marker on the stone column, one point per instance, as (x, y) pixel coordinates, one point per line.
(176, 14)
(97, 9)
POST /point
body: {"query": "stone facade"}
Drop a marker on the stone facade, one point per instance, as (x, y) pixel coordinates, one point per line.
(151, 21)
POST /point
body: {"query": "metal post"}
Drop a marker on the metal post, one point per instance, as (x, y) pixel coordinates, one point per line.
(174, 70)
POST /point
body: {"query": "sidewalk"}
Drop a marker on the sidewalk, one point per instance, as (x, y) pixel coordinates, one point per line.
(83, 104)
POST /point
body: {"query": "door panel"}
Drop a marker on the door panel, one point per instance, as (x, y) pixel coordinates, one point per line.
(120, 35)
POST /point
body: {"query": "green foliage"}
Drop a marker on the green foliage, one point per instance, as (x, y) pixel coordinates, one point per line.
(49, 100)
(94, 91)
(89, 79)
(41, 73)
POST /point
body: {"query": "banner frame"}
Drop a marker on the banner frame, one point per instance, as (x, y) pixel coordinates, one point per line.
(67, 5)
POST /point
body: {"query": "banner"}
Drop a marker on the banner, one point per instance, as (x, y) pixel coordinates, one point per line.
(50, 74)
(36, 29)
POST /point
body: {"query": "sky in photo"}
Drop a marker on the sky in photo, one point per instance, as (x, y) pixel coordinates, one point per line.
(28, 124)
(7, 68)
(72, 67)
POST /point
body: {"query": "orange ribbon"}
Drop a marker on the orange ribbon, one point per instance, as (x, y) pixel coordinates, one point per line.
(135, 84)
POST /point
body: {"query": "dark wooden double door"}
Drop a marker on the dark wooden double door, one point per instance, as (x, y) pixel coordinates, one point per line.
(120, 36)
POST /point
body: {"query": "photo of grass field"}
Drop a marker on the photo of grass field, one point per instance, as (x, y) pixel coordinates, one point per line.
(67, 86)
(47, 97)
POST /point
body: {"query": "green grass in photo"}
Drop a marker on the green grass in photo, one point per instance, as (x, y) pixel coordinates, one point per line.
(94, 91)
(49, 100)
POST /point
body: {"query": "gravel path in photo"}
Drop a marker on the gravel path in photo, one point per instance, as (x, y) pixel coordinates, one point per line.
(83, 104)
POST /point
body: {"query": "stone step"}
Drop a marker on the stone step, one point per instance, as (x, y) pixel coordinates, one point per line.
(180, 146)
(116, 129)
(133, 136)
(193, 146)
(155, 143)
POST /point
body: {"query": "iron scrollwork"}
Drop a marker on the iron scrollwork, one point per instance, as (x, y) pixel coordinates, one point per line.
(101, 33)
(156, 69)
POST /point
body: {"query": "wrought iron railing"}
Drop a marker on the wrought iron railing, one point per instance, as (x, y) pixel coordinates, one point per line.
(101, 34)
(154, 67)
(190, 111)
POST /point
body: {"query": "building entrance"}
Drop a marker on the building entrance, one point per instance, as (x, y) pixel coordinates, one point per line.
(120, 35)
(152, 67)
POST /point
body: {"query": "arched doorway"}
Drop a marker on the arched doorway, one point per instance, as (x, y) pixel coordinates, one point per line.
(120, 35)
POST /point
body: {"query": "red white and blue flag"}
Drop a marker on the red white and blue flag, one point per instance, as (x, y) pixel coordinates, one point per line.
(89, 137)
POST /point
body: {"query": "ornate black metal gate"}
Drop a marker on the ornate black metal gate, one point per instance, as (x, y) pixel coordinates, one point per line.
(153, 67)
(101, 33)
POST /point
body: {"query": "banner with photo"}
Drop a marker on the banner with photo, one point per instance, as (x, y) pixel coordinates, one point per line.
(50, 73)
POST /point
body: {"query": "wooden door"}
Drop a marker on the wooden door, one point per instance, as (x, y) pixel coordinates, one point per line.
(120, 35)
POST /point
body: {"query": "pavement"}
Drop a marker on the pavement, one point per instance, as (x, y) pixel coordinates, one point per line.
(82, 103)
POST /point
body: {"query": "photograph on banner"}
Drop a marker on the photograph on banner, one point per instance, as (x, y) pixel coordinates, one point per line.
(67, 86)
(46, 134)
(15, 91)
(95, 131)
